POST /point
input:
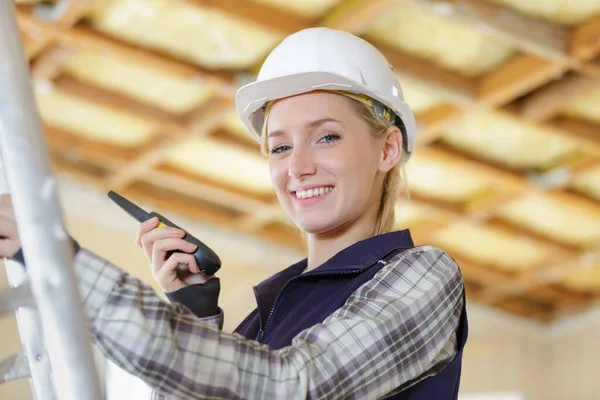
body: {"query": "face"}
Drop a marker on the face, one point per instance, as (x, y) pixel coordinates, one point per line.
(326, 167)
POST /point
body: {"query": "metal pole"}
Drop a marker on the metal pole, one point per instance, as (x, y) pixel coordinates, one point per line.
(46, 245)
(30, 331)
(29, 325)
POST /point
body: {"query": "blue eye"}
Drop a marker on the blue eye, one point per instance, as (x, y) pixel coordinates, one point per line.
(279, 149)
(330, 138)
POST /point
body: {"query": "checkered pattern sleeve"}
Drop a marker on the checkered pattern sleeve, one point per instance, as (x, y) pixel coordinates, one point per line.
(395, 330)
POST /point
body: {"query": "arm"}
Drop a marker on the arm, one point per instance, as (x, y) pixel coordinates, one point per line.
(202, 299)
(413, 305)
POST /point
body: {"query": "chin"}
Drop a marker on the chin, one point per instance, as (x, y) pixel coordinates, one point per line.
(319, 226)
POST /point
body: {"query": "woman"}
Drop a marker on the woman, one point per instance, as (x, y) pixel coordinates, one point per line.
(366, 315)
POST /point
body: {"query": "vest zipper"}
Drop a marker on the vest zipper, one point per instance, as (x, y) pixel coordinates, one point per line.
(262, 330)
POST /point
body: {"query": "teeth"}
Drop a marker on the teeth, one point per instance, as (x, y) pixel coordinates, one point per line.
(305, 194)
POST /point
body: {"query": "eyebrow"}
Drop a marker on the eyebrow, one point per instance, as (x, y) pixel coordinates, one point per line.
(309, 125)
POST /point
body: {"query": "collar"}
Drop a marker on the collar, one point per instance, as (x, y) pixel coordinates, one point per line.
(361, 255)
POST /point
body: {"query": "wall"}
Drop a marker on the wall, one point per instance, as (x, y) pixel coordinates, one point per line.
(503, 354)
(573, 367)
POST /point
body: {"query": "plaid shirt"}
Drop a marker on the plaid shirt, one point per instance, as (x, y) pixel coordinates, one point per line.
(394, 331)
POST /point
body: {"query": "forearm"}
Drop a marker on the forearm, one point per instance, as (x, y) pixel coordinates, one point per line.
(202, 299)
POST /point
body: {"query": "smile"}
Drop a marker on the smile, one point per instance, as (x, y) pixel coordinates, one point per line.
(315, 192)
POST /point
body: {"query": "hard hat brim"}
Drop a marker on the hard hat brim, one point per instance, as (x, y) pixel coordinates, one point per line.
(253, 96)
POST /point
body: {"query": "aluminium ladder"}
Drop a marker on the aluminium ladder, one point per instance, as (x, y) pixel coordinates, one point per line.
(54, 333)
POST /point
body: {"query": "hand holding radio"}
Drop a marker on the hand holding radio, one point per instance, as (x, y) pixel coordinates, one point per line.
(170, 257)
(177, 258)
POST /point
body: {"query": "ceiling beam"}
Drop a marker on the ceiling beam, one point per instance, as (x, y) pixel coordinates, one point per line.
(485, 276)
(550, 274)
(549, 100)
(591, 69)
(515, 78)
(261, 217)
(443, 78)
(203, 124)
(559, 251)
(168, 123)
(522, 308)
(85, 37)
(34, 42)
(432, 122)
(272, 18)
(209, 193)
(65, 13)
(560, 294)
(509, 181)
(529, 35)
(48, 65)
(584, 43)
(586, 132)
(78, 147)
(356, 15)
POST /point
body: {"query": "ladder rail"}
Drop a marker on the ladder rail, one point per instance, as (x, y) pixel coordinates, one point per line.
(29, 326)
(46, 245)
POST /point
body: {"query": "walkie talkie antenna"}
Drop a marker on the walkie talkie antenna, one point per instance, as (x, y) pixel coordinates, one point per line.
(131, 209)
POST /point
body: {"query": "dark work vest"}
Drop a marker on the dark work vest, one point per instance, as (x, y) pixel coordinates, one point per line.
(290, 302)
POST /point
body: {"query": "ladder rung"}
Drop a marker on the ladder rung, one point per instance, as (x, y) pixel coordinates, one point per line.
(14, 367)
(15, 297)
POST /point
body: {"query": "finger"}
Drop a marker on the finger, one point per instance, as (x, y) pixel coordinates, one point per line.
(162, 246)
(144, 228)
(6, 208)
(8, 248)
(168, 276)
(9, 237)
(8, 228)
(148, 239)
(175, 263)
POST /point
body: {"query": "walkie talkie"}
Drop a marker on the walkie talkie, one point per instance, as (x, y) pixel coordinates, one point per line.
(208, 261)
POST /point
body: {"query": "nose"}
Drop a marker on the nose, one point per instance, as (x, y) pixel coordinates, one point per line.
(301, 162)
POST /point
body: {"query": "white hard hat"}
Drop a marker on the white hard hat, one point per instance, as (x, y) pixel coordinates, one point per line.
(325, 59)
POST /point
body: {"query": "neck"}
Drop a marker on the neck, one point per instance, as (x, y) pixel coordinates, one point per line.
(322, 247)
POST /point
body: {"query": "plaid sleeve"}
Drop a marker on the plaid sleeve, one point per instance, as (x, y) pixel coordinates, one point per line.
(393, 331)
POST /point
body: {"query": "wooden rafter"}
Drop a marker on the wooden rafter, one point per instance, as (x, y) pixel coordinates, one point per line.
(86, 37)
(170, 124)
(202, 124)
(65, 13)
(548, 101)
(584, 44)
(276, 20)
(356, 15)
(48, 65)
(587, 132)
(526, 34)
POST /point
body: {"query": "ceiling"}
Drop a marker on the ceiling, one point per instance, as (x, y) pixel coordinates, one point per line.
(137, 96)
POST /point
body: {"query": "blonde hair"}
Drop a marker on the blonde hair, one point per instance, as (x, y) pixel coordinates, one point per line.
(394, 182)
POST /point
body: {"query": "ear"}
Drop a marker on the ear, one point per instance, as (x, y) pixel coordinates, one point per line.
(391, 149)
